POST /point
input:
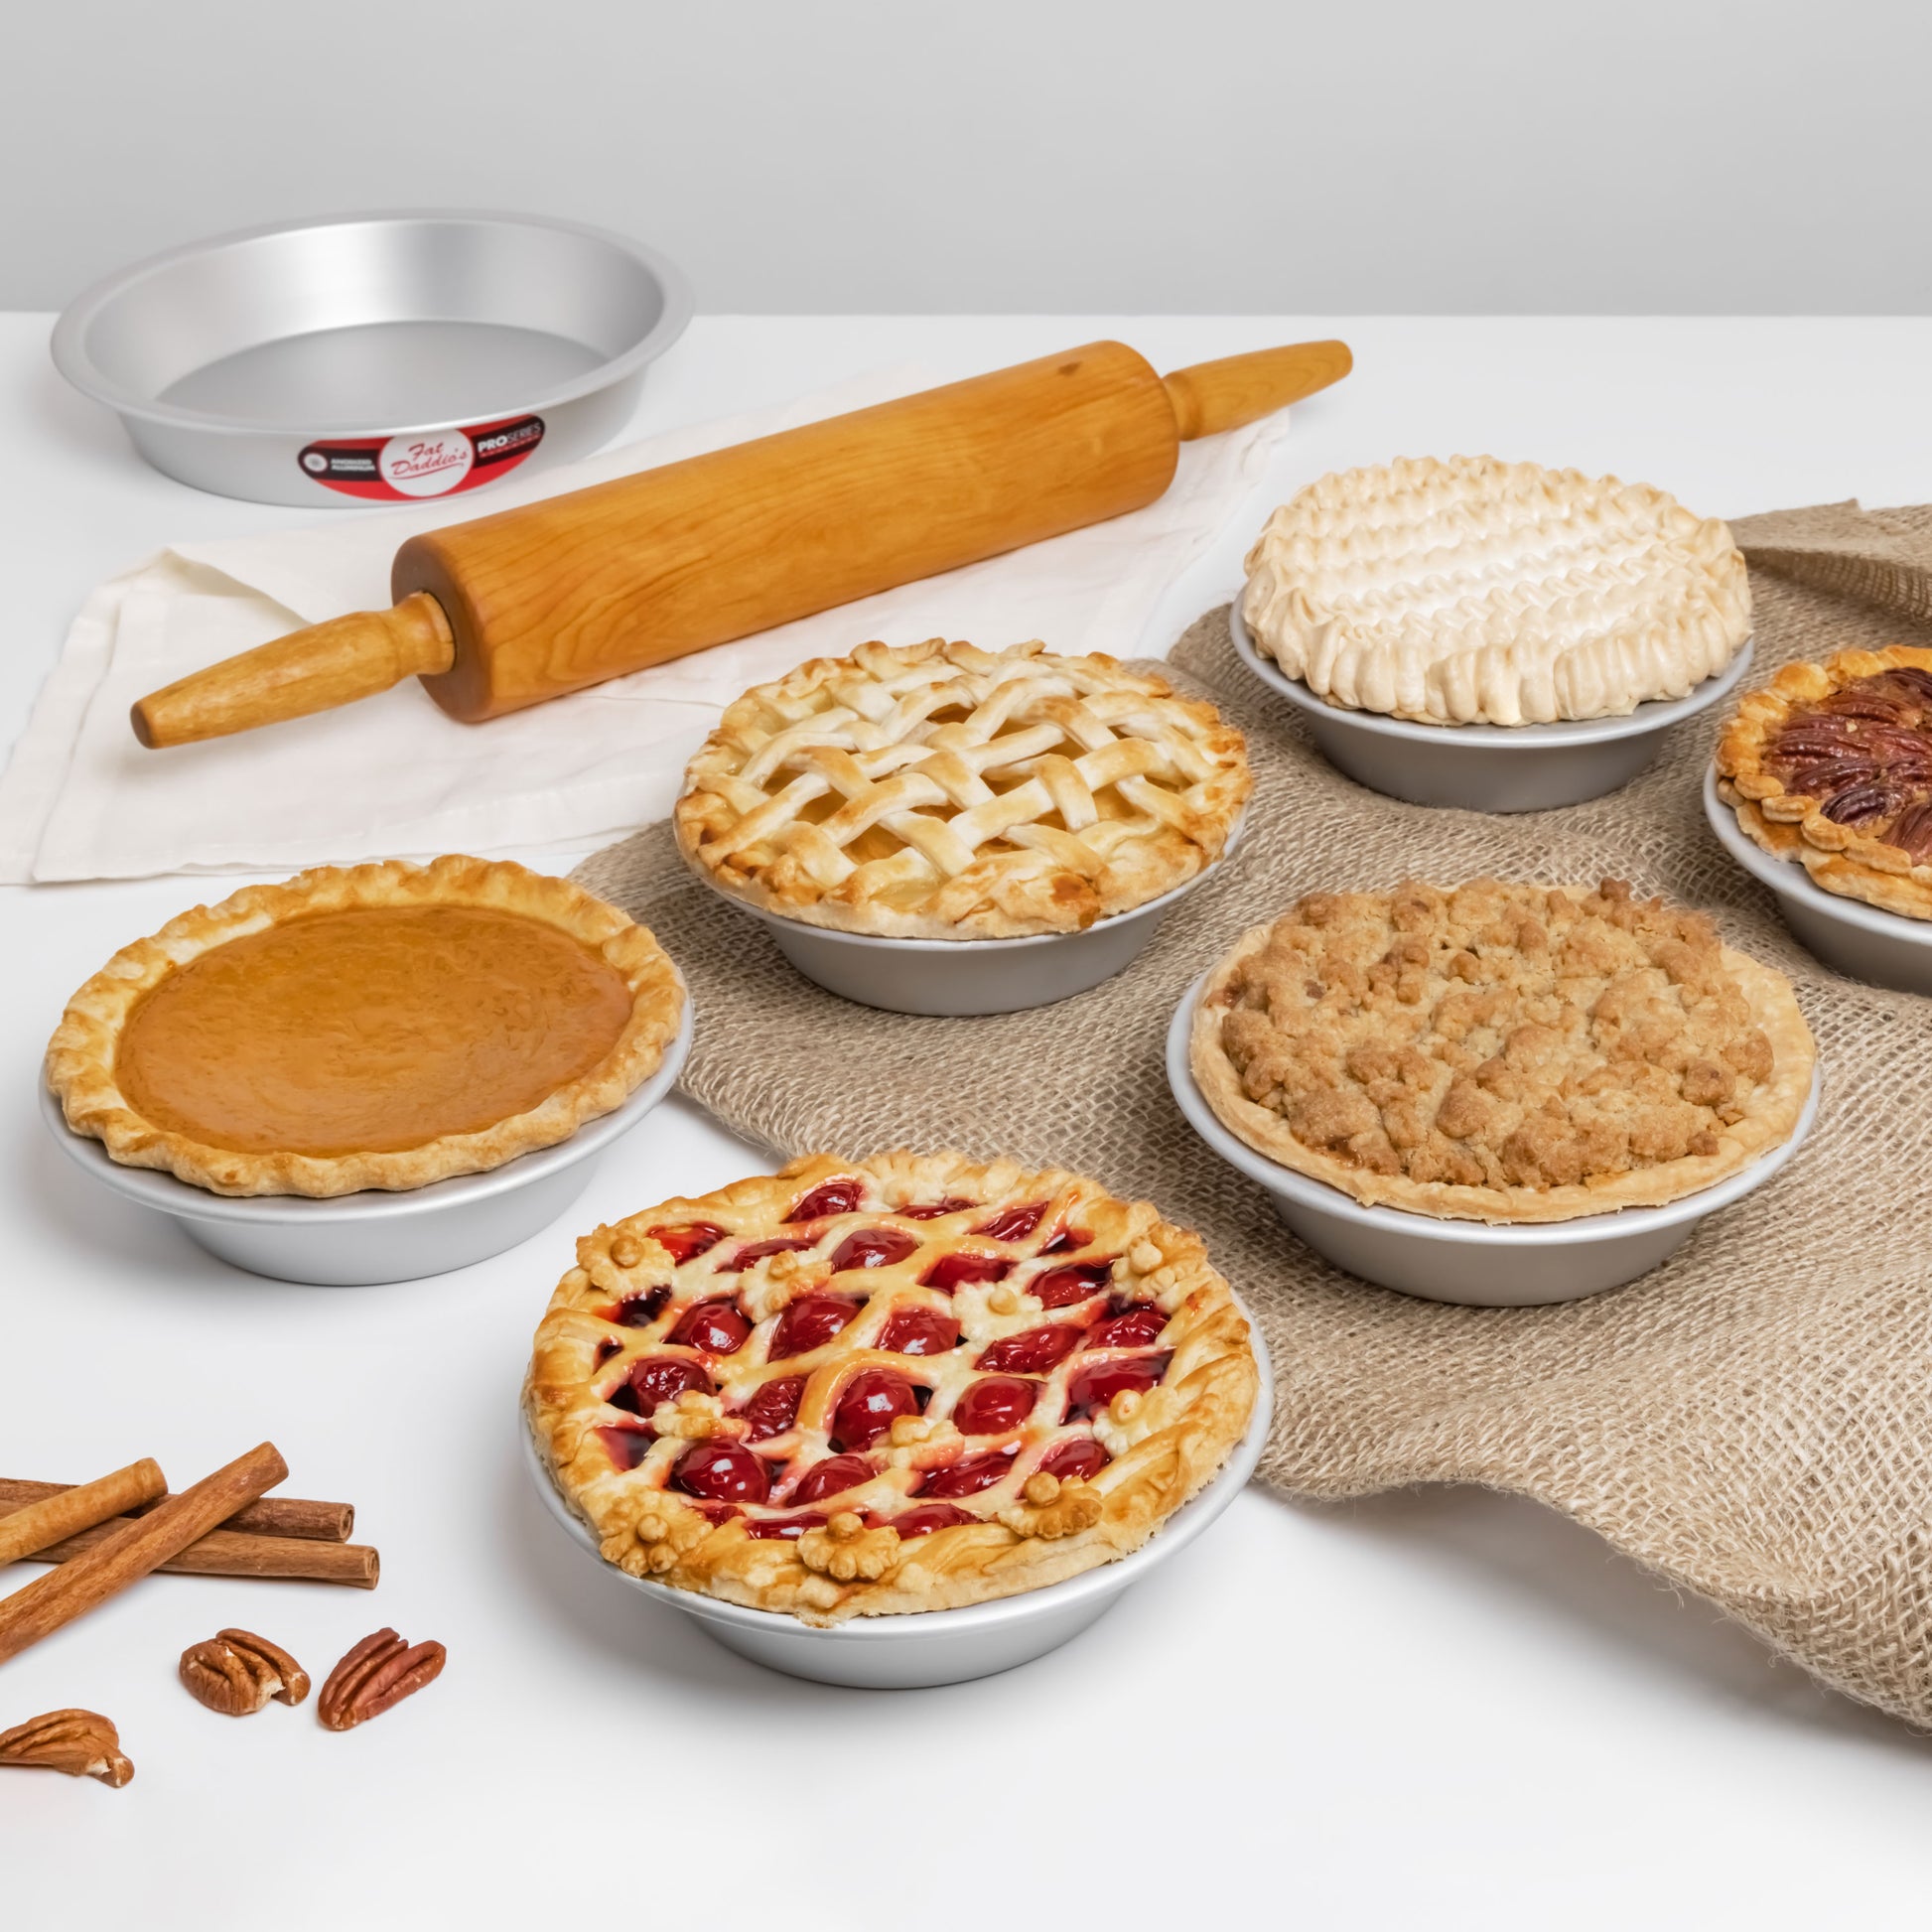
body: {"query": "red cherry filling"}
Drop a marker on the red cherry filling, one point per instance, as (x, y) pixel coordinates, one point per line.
(995, 1404)
(655, 1379)
(751, 1251)
(720, 1472)
(829, 1197)
(1076, 1459)
(924, 1520)
(686, 1243)
(949, 1271)
(1135, 1328)
(626, 1447)
(873, 1248)
(1066, 1241)
(969, 1478)
(1013, 1223)
(606, 1349)
(641, 1310)
(870, 1403)
(1033, 1352)
(1060, 1287)
(1096, 1385)
(920, 1332)
(783, 1527)
(832, 1477)
(810, 1323)
(934, 1210)
(774, 1409)
(713, 1327)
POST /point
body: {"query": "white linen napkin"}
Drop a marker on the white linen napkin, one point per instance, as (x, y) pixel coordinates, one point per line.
(393, 777)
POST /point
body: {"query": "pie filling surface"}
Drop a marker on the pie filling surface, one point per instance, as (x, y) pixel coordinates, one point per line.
(370, 1028)
(1863, 753)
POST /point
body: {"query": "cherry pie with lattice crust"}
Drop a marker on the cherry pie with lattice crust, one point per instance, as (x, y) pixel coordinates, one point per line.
(940, 792)
(906, 1383)
(1831, 764)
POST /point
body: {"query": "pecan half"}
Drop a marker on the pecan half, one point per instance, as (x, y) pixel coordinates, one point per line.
(380, 1671)
(83, 1744)
(236, 1672)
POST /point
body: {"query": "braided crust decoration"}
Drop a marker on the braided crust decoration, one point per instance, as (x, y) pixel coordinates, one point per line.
(940, 791)
(1477, 592)
(80, 1065)
(1831, 764)
(1501, 1053)
(1137, 1427)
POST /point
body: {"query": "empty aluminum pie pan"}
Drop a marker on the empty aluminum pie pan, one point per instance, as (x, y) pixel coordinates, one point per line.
(924, 1647)
(955, 978)
(1487, 767)
(375, 358)
(1863, 942)
(1467, 1262)
(355, 1240)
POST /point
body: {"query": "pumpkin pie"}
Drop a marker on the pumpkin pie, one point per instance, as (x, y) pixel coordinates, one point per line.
(376, 1026)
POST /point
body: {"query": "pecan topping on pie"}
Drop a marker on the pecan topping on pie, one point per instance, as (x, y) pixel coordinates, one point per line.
(889, 1432)
(940, 792)
(1831, 764)
(1501, 1052)
(380, 1027)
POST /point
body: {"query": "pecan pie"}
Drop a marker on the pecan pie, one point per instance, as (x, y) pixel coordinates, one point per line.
(1477, 592)
(1501, 1052)
(383, 1026)
(1831, 764)
(906, 1383)
(940, 792)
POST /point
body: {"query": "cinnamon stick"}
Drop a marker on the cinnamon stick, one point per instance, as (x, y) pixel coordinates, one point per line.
(225, 1553)
(271, 1516)
(143, 1544)
(54, 1518)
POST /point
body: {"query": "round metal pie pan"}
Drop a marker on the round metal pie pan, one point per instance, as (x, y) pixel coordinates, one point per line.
(957, 978)
(1467, 1262)
(1487, 767)
(1863, 942)
(356, 1240)
(375, 358)
(924, 1647)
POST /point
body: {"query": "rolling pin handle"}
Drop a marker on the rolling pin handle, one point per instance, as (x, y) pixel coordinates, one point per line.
(1210, 397)
(316, 670)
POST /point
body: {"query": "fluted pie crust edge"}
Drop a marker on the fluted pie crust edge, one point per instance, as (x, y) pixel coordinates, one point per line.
(1793, 825)
(1178, 1436)
(80, 1057)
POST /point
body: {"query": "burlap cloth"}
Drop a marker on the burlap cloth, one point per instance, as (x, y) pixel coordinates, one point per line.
(1753, 1421)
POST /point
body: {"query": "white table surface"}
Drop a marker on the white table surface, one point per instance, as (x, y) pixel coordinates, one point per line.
(1441, 1708)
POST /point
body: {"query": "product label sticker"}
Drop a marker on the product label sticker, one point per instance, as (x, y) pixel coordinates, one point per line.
(432, 463)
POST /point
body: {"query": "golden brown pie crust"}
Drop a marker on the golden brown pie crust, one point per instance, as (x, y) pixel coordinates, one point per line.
(940, 791)
(412, 1023)
(1794, 824)
(1162, 1444)
(1501, 1052)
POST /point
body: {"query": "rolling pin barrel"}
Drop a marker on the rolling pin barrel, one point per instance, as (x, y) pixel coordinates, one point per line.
(509, 610)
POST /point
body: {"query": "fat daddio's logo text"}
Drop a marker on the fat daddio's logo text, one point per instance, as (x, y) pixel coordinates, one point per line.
(423, 463)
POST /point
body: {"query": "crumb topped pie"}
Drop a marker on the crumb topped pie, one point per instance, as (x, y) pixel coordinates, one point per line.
(1501, 1052)
(941, 791)
(906, 1383)
(1831, 764)
(375, 1027)
(1477, 592)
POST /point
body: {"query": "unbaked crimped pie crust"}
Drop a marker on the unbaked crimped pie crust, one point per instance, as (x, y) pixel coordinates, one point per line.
(80, 1065)
(940, 791)
(1501, 1053)
(1792, 823)
(1471, 591)
(1164, 1444)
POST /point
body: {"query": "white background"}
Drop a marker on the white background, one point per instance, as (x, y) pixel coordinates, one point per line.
(1194, 156)
(1435, 1710)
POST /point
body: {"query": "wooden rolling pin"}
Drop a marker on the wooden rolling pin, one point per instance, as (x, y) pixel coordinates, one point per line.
(509, 610)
